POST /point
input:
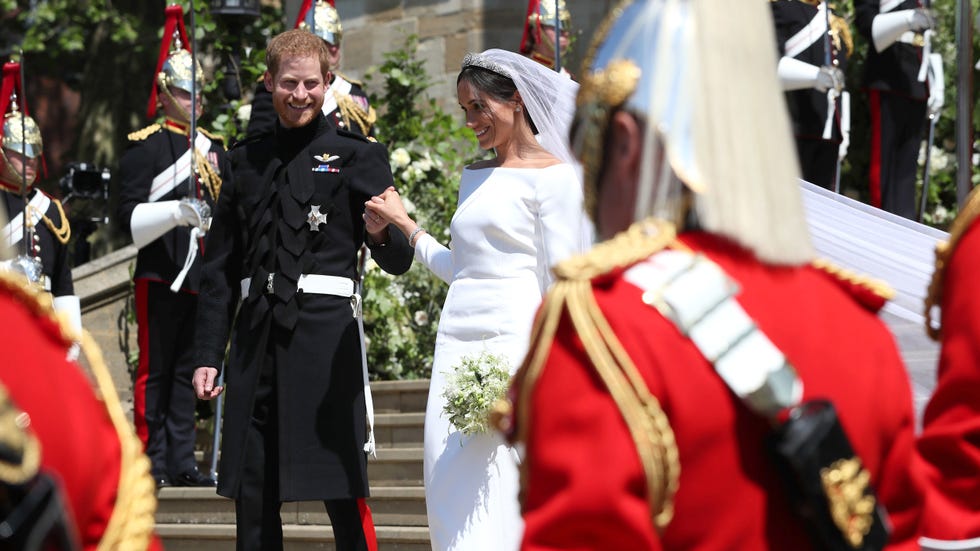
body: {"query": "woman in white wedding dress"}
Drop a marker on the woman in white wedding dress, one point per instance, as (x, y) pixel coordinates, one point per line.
(517, 215)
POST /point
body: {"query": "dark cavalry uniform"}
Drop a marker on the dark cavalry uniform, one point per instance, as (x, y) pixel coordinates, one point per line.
(808, 108)
(163, 395)
(294, 375)
(950, 440)
(584, 478)
(345, 105)
(51, 233)
(897, 102)
(86, 444)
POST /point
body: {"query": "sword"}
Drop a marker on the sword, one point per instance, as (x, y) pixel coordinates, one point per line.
(370, 447)
(933, 117)
(557, 36)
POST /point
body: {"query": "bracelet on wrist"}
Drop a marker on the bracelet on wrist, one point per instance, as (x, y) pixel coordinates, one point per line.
(413, 237)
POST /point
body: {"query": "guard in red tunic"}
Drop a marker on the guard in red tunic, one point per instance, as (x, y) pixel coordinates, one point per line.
(713, 388)
(950, 440)
(71, 469)
(541, 36)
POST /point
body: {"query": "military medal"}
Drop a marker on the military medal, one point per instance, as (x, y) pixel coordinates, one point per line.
(315, 218)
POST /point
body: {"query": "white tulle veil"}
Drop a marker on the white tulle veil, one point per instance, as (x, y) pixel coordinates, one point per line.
(548, 96)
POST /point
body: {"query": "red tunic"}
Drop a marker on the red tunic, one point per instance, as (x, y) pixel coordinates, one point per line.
(584, 487)
(80, 446)
(950, 441)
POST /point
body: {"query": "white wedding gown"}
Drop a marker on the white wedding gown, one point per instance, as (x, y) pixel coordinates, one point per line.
(510, 226)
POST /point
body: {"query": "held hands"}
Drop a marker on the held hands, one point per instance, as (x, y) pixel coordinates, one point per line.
(388, 208)
(204, 383)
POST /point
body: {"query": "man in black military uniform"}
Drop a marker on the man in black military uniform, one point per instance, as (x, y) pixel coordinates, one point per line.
(165, 210)
(285, 238)
(807, 73)
(346, 103)
(896, 32)
(48, 228)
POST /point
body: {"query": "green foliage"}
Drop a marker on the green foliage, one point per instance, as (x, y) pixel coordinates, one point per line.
(472, 389)
(428, 151)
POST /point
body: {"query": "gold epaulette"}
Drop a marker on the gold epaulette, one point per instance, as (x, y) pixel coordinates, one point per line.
(348, 79)
(858, 282)
(638, 242)
(131, 524)
(572, 295)
(962, 222)
(212, 135)
(143, 133)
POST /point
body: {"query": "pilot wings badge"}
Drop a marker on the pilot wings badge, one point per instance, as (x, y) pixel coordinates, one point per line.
(325, 159)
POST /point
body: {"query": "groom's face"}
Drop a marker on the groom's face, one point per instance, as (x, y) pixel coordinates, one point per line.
(298, 90)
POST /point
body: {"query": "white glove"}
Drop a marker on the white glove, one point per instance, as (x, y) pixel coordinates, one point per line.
(937, 88)
(152, 220)
(888, 27)
(800, 75)
(194, 212)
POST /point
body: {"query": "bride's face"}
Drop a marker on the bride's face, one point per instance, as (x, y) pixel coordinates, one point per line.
(491, 120)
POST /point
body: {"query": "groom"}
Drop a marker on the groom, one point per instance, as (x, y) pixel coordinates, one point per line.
(284, 239)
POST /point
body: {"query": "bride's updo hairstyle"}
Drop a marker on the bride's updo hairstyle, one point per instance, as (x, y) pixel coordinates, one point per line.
(495, 85)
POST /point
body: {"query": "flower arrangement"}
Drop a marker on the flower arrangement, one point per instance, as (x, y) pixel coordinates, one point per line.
(472, 389)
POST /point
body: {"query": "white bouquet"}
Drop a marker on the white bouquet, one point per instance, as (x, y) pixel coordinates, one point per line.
(473, 388)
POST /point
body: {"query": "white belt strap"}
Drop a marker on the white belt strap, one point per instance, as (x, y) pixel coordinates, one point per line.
(341, 287)
(808, 35)
(170, 177)
(14, 230)
(699, 298)
(888, 5)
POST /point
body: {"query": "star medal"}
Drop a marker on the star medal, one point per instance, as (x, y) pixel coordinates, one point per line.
(315, 218)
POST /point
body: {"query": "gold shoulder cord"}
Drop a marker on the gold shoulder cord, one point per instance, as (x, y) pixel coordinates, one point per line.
(351, 111)
(209, 177)
(934, 297)
(645, 419)
(143, 133)
(61, 233)
(131, 524)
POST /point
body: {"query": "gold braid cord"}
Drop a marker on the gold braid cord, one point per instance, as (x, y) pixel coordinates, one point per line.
(209, 177)
(934, 297)
(23, 457)
(350, 111)
(131, 525)
(61, 233)
(645, 419)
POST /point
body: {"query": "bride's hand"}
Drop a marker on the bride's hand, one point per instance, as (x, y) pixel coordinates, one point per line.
(390, 207)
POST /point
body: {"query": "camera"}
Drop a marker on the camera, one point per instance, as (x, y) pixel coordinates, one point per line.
(85, 181)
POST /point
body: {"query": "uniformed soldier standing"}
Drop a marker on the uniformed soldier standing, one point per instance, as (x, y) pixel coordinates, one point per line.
(346, 103)
(668, 375)
(948, 443)
(538, 41)
(896, 32)
(166, 192)
(802, 38)
(48, 227)
(284, 239)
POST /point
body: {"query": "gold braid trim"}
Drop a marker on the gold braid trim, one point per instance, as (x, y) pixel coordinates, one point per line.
(132, 521)
(143, 133)
(876, 286)
(350, 110)
(934, 297)
(16, 436)
(208, 176)
(62, 233)
(131, 524)
(645, 419)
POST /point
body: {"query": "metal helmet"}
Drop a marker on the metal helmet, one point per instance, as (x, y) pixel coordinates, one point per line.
(542, 13)
(21, 134)
(176, 72)
(324, 21)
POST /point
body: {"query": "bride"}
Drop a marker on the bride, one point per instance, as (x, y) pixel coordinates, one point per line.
(517, 214)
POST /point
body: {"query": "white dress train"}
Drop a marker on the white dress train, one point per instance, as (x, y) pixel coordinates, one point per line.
(510, 226)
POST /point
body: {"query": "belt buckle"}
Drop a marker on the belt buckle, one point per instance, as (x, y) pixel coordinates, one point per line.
(269, 288)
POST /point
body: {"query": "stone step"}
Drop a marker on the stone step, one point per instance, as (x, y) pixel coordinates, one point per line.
(390, 506)
(221, 537)
(400, 396)
(399, 430)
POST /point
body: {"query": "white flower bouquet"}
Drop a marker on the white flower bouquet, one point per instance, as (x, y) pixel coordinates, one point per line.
(473, 388)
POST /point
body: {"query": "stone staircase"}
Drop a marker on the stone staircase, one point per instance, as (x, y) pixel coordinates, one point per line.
(198, 519)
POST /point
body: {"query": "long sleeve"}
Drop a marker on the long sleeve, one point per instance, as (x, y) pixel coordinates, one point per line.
(135, 175)
(561, 218)
(436, 257)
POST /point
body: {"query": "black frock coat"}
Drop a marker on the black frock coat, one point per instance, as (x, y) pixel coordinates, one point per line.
(53, 253)
(311, 341)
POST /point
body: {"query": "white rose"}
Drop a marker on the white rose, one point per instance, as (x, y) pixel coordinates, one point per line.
(244, 113)
(400, 158)
(421, 318)
(424, 165)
